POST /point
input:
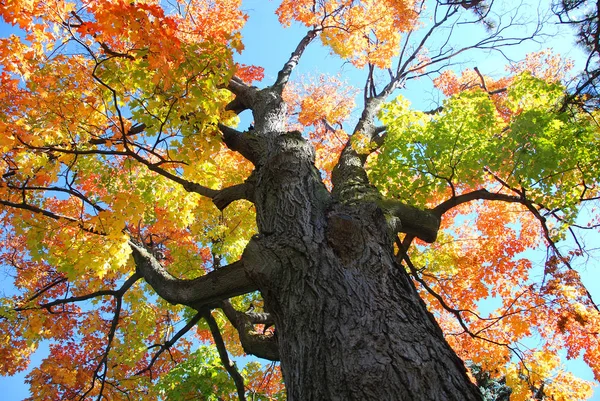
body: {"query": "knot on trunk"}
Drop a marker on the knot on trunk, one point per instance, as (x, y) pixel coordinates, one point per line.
(351, 228)
(344, 235)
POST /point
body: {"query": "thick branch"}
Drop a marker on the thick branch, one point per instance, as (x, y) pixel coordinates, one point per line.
(482, 194)
(244, 95)
(379, 137)
(242, 142)
(423, 224)
(349, 178)
(261, 345)
(226, 282)
(233, 193)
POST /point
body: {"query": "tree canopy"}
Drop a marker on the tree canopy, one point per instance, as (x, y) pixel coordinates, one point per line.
(128, 196)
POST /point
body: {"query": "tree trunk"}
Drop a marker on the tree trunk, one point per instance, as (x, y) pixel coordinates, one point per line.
(349, 322)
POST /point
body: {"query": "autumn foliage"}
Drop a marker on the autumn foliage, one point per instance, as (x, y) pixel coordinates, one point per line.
(110, 116)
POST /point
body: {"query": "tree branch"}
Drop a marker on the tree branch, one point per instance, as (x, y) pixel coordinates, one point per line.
(244, 95)
(403, 255)
(261, 345)
(480, 194)
(423, 224)
(52, 215)
(284, 75)
(60, 280)
(103, 364)
(349, 178)
(242, 142)
(187, 185)
(483, 194)
(379, 137)
(226, 282)
(166, 346)
(236, 192)
(229, 366)
(69, 191)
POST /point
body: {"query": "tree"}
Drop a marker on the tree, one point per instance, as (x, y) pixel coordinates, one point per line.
(135, 213)
(584, 18)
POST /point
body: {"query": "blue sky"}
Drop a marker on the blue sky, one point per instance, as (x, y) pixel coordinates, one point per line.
(269, 45)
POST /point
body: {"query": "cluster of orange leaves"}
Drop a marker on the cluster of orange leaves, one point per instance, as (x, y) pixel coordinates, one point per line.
(490, 273)
(50, 98)
(70, 364)
(365, 32)
(322, 105)
(268, 383)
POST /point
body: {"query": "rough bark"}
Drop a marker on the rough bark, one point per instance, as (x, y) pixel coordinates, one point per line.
(349, 322)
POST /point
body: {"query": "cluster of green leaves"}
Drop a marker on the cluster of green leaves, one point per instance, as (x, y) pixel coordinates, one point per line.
(201, 373)
(202, 377)
(423, 153)
(527, 141)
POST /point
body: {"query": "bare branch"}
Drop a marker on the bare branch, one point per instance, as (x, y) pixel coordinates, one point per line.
(284, 75)
(167, 345)
(229, 366)
(81, 298)
(238, 87)
(403, 66)
(554, 247)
